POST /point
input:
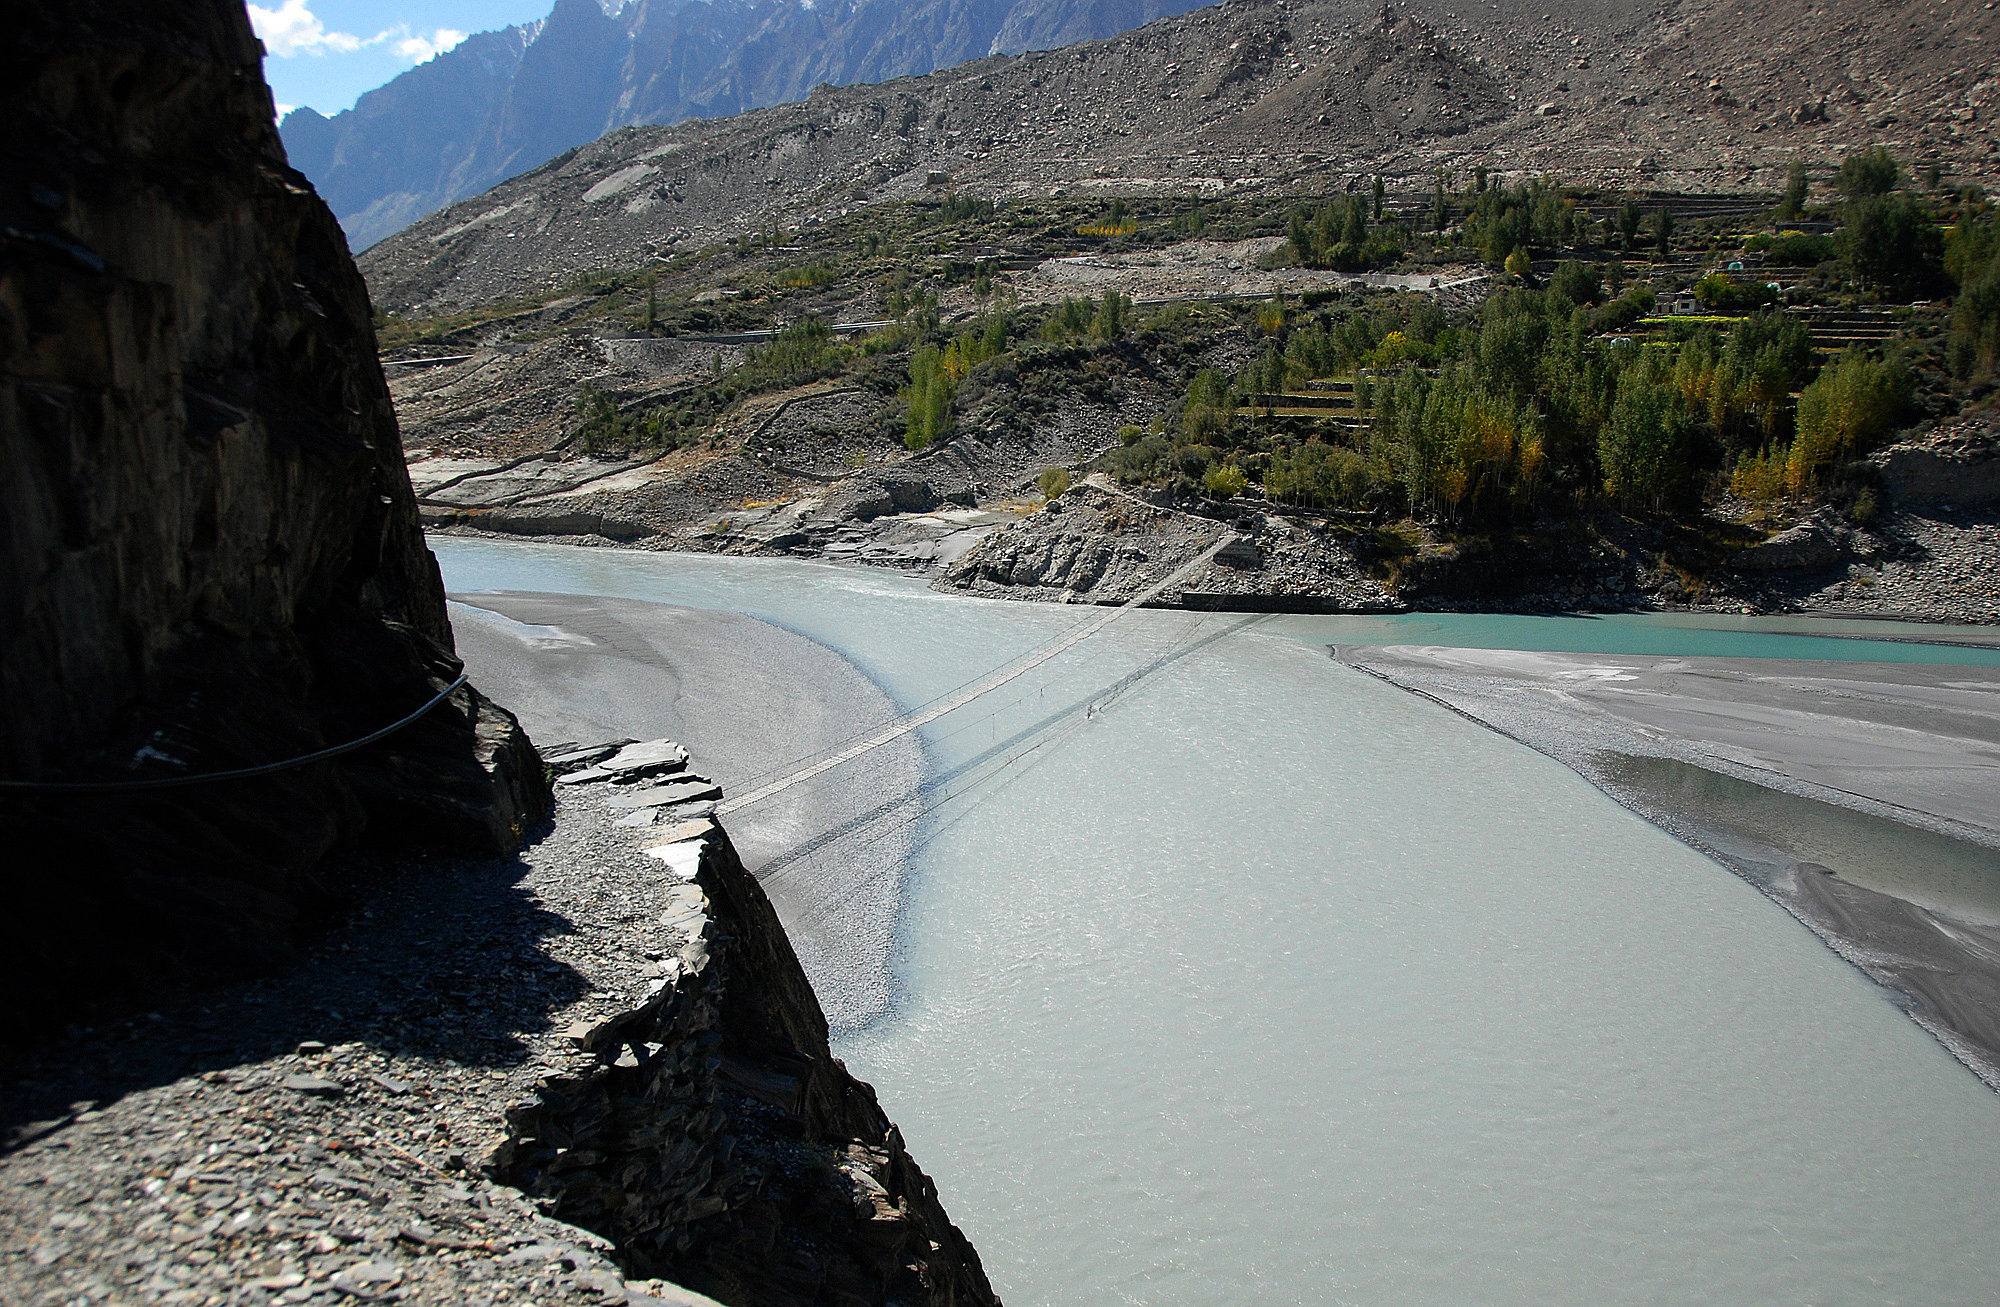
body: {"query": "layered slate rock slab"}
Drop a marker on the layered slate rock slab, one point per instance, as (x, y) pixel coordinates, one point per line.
(676, 813)
(652, 758)
(565, 758)
(692, 790)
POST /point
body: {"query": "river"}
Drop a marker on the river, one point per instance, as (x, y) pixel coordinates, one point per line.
(1227, 974)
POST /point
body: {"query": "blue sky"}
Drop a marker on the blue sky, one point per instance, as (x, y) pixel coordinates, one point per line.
(325, 53)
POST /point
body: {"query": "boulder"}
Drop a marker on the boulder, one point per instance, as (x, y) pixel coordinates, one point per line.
(1241, 552)
(1957, 464)
(866, 497)
(1813, 543)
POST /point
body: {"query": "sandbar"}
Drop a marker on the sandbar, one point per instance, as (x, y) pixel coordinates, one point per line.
(1863, 797)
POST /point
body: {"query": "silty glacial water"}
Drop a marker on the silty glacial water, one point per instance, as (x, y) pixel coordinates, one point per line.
(1258, 981)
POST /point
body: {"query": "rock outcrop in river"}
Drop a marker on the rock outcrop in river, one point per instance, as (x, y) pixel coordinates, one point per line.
(213, 553)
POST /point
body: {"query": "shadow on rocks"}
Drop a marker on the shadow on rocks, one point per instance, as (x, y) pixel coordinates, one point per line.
(428, 957)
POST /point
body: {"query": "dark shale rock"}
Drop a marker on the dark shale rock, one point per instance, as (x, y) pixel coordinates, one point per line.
(212, 551)
(716, 1141)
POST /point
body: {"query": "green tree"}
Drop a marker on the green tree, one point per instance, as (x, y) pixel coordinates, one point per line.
(1645, 445)
(1871, 172)
(1800, 249)
(1663, 230)
(1854, 403)
(1892, 241)
(1973, 260)
(1793, 202)
(1381, 191)
(928, 400)
(1109, 324)
(1629, 220)
(1579, 283)
(1209, 409)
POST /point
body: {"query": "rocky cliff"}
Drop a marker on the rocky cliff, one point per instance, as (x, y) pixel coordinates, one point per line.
(212, 553)
(705, 1127)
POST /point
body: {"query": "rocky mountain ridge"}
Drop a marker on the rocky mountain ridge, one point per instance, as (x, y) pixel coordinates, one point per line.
(1256, 96)
(504, 102)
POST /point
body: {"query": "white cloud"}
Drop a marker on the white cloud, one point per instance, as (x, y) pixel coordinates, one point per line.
(292, 29)
(418, 48)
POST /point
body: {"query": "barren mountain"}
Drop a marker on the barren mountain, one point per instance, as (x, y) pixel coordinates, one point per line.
(1261, 95)
(503, 102)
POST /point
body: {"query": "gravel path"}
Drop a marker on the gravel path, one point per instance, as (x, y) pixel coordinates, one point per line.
(315, 1137)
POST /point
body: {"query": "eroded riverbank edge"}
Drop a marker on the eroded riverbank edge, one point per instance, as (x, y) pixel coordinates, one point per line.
(756, 698)
(1940, 966)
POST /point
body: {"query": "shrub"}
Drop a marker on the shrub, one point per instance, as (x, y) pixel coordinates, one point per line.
(1517, 263)
(1798, 249)
(1139, 461)
(1719, 290)
(807, 276)
(1223, 481)
(1053, 481)
(602, 427)
(798, 353)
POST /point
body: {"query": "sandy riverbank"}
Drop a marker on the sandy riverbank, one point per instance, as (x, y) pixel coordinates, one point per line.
(752, 697)
(1865, 798)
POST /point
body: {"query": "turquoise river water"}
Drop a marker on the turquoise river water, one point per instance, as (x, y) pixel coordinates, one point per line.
(1228, 975)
